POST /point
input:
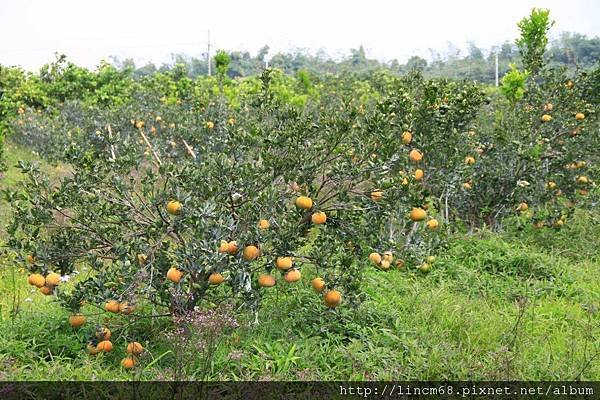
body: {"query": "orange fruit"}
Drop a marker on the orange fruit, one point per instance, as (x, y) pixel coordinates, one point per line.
(546, 118)
(419, 174)
(105, 346)
(319, 218)
(174, 207)
(174, 275)
(318, 284)
(375, 258)
(389, 256)
(332, 299)
(30, 259)
(92, 350)
(77, 320)
(406, 137)
(415, 155)
(52, 279)
(112, 306)
(523, 206)
(304, 202)
(292, 275)
(469, 160)
(385, 264)
(126, 308)
(224, 247)
(551, 185)
(399, 264)
(417, 214)
(433, 224)
(425, 267)
(210, 124)
(128, 362)
(583, 179)
(142, 258)
(548, 107)
(47, 290)
(376, 195)
(580, 116)
(251, 252)
(103, 333)
(215, 278)
(265, 280)
(284, 263)
(467, 186)
(264, 224)
(232, 247)
(135, 348)
(36, 280)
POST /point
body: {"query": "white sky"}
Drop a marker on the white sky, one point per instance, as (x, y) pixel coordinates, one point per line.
(87, 31)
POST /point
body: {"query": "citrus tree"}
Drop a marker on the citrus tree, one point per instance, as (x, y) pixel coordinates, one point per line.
(226, 203)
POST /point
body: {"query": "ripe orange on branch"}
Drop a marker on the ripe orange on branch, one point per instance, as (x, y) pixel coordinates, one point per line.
(292, 276)
(417, 214)
(419, 174)
(319, 218)
(375, 258)
(135, 348)
(77, 320)
(126, 308)
(215, 278)
(266, 280)
(103, 334)
(304, 202)
(174, 207)
(112, 306)
(128, 362)
(52, 279)
(333, 298)
(415, 155)
(264, 224)
(47, 290)
(318, 284)
(251, 252)
(36, 280)
(174, 275)
(376, 195)
(433, 224)
(105, 346)
(284, 263)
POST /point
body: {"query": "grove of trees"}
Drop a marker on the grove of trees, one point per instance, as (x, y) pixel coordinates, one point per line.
(183, 191)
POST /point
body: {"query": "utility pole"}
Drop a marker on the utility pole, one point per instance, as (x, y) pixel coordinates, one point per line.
(208, 55)
(496, 68)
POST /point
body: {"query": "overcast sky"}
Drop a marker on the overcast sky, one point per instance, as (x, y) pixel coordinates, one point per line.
(31, 31)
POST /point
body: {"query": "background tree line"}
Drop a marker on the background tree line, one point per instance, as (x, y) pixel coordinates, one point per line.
(477, 64)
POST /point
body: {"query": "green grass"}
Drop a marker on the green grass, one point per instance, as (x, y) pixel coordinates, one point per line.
(518, 305)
